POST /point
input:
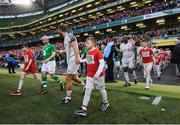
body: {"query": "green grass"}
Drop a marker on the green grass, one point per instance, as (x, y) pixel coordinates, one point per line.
(171, 91)
(125, 105)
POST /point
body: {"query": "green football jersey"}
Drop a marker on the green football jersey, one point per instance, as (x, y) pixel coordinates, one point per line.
(47, 51)
(117, 57)
(84, 52)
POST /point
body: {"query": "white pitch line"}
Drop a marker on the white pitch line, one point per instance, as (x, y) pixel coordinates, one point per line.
(157, 100)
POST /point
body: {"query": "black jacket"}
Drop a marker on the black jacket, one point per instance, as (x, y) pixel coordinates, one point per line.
(176, 54)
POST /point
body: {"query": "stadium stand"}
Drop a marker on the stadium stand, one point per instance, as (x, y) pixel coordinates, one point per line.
(157, 6)
(22, 35)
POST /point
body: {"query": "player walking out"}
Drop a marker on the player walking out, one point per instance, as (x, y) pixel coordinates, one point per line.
(95, 77)
(49, 65)
(163, 56)
(73, 60)
(128, 59)
(29, 68)
(168, 56)
(157, 65)
(147, 59)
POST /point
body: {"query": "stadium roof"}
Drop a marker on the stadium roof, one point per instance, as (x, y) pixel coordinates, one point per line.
(84, 12)
(9, 7)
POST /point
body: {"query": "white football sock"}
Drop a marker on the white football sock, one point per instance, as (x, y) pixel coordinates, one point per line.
(20, 84)
(126, 75)
(148, 78)
(86, 98)
(104, 95)
(68, 93)
(134, 75)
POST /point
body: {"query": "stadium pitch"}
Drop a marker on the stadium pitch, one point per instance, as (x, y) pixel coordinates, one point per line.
(125, 105)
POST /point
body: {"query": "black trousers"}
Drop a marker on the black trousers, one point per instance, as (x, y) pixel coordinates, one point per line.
(109, 71)
(11, 67)
(178, 66)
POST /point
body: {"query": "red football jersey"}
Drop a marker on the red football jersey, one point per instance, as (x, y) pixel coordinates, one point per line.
(93, 58)
(28, 55)
(163, 55)
(157, 60)
(146, 55)
(166, 55)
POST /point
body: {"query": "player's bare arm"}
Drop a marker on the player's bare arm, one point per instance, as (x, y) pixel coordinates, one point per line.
(61, 51)
(30, 61)
(52, 56)
(74, 44)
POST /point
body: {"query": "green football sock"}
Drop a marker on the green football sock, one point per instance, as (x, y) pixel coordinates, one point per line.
(57, 79)
(44, 83)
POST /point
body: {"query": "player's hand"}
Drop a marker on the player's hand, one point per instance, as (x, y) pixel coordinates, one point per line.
(96, 77)
(61, 51)
(46, 61)
(137, 62)
(77, 61)
(26, 68)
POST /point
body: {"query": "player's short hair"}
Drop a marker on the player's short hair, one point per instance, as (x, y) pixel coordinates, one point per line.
(45, 37)
(91, 39)
(143, 42)
(63, 27)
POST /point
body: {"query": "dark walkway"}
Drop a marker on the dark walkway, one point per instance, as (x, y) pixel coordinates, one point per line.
(168, 76)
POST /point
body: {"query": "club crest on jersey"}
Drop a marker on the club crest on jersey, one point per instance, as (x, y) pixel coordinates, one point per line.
(47, 49)
(26, 58)
(90, 59)
(145, 54)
